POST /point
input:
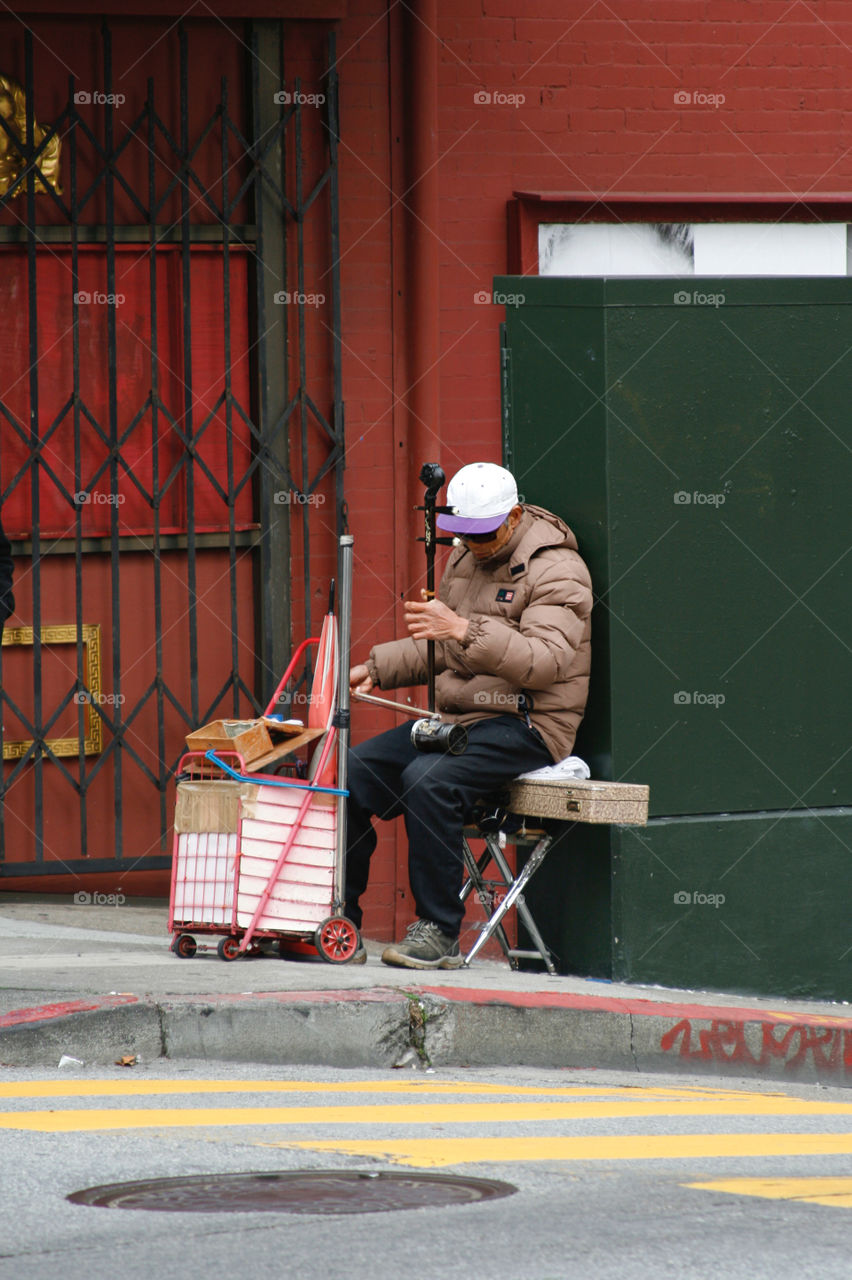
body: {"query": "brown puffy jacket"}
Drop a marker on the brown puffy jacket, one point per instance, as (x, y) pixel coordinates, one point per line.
(529, 608)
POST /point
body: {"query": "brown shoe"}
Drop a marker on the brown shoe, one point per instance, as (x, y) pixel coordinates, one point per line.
(425, 947)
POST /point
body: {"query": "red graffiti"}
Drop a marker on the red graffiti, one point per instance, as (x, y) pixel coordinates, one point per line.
(829, 1048)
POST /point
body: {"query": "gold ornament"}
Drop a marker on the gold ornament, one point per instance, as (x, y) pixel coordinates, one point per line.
(13, 109)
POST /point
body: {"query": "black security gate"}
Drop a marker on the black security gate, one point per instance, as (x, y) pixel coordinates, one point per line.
(171, 416)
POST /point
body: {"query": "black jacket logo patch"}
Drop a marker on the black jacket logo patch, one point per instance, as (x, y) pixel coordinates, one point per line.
(505, 596)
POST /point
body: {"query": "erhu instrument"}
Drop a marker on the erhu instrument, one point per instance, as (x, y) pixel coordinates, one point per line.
(433, 733)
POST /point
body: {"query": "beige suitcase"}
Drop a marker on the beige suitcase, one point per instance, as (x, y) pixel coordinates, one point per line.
(622, 803)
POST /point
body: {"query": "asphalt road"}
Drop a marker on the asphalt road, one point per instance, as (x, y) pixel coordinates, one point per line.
(616, 1175)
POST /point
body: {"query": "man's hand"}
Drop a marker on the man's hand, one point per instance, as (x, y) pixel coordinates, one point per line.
(359, 679)
(432, 620)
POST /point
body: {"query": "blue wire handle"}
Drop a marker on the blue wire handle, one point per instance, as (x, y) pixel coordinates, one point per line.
(270, 782)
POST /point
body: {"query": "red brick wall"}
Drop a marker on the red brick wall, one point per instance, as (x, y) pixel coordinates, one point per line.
(599, 116)
(366, 282)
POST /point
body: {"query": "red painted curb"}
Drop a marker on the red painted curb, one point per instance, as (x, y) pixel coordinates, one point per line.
(48, 1012)
(642, 1008)
(459, 995)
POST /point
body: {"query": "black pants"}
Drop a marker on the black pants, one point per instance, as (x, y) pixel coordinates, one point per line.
(434, 793)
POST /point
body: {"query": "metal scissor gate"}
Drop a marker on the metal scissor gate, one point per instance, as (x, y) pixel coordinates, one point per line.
(170, 403)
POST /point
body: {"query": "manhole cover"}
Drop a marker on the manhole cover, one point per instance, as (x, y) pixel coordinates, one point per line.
(318, 1192)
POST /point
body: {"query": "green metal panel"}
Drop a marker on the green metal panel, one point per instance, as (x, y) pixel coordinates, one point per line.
(725, 619)
(696, 436)
(571, 902)
(746, 904)
(556, 447)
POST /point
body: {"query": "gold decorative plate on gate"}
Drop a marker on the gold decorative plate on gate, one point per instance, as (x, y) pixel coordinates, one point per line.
(65, 634)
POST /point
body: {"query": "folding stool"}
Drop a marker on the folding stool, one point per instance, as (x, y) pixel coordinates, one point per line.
(565, 800)
(490, 891)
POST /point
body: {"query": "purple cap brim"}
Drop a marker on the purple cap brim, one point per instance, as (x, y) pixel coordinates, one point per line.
(464, 524)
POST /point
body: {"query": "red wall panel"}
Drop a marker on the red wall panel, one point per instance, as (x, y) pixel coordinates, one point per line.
(144, 441)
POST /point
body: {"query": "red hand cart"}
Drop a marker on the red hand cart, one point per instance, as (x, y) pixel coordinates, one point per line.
(257, 856)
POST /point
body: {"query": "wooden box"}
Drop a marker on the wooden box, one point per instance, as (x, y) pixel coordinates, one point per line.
(249, 737)
(623, 803)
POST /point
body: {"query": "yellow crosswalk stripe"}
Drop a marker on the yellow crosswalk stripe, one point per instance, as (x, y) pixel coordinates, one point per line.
(449, 1103)
(431, 1153)
(492, 1112)
(130, 1085)
(836, 1192)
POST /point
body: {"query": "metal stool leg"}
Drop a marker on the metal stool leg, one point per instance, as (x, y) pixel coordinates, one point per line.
(514, 896)
(476, 880)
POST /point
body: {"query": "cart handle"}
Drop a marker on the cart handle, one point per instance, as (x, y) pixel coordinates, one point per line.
(291, 666)
(270, 782)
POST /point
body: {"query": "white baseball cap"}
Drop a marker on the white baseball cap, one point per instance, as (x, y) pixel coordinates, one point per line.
(483, 495)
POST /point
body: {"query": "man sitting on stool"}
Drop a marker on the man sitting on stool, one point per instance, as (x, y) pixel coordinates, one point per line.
(511, 625)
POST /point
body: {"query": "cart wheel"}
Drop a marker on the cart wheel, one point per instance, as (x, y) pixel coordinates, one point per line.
(228, 948)
(185, 946)
(337, 939)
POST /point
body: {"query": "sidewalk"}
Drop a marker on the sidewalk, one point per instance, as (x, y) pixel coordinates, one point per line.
(99, 982)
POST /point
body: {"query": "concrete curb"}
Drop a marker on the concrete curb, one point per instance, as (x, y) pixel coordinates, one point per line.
(95, 1031)
(571, 1030)
(334, 1029)
(447, 1026)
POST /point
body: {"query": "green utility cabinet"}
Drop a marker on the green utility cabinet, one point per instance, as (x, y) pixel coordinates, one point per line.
(697, 436)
